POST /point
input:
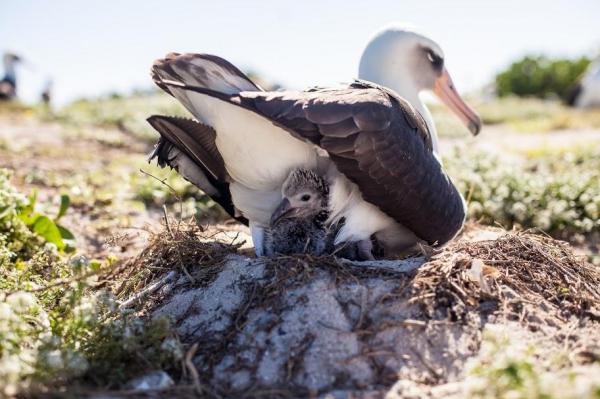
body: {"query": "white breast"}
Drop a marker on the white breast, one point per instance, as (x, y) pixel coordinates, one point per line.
(361, 218)
(257, 153)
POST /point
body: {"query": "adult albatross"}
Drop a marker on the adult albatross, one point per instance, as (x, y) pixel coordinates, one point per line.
(375, 149)
(8, 84)
(586, 92)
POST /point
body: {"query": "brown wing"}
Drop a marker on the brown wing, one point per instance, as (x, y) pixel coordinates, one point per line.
(381, 144)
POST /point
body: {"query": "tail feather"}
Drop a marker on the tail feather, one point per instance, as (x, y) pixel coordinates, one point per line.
(188, 147)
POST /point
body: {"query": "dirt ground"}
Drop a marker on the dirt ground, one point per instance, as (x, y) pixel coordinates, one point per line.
(44, 156)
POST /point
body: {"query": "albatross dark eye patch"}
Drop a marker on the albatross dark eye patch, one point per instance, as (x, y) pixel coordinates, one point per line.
(305, 197)
(436, 60)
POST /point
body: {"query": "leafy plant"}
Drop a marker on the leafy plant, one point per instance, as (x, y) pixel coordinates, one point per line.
(44, 226)
(56, 325)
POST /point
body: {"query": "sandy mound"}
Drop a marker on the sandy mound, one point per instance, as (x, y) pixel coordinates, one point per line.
(301, 326)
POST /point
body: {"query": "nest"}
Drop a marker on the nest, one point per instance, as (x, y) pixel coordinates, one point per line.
(518, 276)
(182, 246)
(515, 269)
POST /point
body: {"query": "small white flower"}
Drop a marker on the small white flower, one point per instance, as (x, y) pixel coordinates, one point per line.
(592, 210)
(21, 302)
(6, 312)
(519, 210)
(54, 359)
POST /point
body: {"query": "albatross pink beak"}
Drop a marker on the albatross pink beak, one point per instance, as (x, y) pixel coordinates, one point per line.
(445, 90)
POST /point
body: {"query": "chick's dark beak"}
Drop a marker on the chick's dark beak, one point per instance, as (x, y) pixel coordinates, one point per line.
(283, 210)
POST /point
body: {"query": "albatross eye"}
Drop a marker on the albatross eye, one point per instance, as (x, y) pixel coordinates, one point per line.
(435, 59)
(305, 197)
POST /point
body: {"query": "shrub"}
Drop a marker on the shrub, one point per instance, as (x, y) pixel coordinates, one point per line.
(17, 241)
(56, 326)
(539, 76)
(557, 193)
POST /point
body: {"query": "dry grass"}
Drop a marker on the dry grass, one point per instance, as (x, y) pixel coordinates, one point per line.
(518, 268)
(182, 246)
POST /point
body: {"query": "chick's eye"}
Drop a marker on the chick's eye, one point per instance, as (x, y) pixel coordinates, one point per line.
(430, 57)
(305, 197)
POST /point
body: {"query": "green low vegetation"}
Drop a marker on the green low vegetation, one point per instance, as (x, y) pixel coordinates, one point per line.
(535, 115)
(556, 191)
(506, 368)
(127, 113)
(56, 326)
(524, 115)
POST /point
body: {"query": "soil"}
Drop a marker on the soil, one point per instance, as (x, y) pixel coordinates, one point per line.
(36, 151)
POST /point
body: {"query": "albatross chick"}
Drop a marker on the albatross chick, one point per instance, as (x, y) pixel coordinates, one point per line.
(298, 224)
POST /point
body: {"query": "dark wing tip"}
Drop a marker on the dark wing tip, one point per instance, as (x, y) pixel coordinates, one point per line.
(162, 68)
(163, 147)
(200, 70)
(192, 139)
(195, 139)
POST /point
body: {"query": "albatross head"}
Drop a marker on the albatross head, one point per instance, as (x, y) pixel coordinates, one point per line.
(305, 194)
(408, 63)
(10, 60)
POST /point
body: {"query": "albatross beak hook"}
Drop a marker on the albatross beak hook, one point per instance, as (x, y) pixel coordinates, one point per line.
(445, 90)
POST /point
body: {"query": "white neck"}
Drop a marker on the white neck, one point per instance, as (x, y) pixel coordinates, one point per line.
(402, 84)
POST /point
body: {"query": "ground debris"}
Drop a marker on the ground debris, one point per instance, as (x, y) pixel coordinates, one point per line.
(151, 381)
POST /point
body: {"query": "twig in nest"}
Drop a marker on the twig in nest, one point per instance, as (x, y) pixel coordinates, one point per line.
(191, 368)
(164, 181)
(167, 221)
(149, 290)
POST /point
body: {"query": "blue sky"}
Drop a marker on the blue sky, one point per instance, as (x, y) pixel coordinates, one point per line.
(90, 48)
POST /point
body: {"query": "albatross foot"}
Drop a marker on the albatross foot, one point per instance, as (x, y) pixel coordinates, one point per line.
(367, 249)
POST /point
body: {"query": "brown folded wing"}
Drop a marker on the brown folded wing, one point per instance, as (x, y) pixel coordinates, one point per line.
(380, 143)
